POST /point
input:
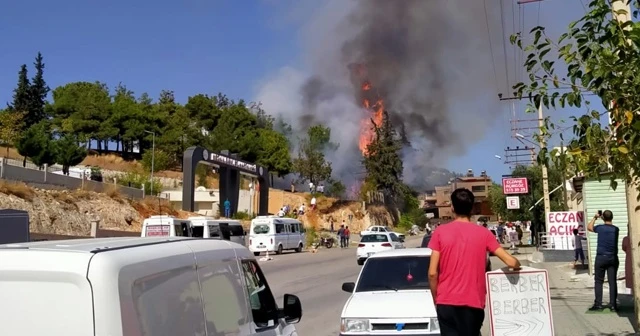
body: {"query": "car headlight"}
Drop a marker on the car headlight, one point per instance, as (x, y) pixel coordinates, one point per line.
(354, 325)
(435, 326)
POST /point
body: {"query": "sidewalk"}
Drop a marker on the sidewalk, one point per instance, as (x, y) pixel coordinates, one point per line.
(571, 296)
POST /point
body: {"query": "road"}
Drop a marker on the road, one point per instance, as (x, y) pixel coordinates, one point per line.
(316, 278)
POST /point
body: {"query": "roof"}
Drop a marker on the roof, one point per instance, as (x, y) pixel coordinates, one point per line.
(407, 252)
(94, 245)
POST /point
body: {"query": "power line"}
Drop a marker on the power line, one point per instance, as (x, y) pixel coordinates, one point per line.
(493, 59)
(515, 57)
(504, 43)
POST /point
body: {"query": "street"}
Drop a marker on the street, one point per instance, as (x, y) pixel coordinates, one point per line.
(316, 278)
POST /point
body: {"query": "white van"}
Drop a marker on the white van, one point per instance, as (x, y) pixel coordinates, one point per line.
(275, 234)
(209, 227)
(165, 226)
(138, 286)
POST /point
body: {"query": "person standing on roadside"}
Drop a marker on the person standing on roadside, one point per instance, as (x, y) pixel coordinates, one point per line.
(341, 235)
(579, 252)
(457, 269)
(347, 236)
(606, 259)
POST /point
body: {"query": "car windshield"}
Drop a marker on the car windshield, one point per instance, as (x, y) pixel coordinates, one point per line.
(394, 273)
(261, 229)
(374, 238)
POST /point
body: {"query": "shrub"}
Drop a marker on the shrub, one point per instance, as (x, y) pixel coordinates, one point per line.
(310, 236)
(242, 215)
(17, 189)
(336, 188)
(134, 180)
(160, 159)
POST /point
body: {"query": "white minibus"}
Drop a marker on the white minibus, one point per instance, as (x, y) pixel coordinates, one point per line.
(208, 227)
(165, 226)
(275, 234)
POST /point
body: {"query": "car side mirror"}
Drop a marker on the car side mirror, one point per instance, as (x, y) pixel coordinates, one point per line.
(292, 311)
(348, 287)
(401, 240)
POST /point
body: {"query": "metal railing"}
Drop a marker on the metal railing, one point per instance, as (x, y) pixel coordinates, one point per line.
(547, 241)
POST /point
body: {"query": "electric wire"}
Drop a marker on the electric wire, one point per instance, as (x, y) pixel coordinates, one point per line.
(504, 44)
(493, 59)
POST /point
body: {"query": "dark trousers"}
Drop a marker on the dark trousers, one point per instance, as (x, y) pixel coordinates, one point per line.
(606, 264)
(459, 320)
(579, 254)
(343, 241)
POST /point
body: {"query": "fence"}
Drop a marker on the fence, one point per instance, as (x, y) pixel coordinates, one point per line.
(557, 242)
(46, 179)
(101, 234)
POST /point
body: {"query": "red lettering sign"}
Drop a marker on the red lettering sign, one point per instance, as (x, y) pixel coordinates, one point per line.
(562, 223)
(515, 185)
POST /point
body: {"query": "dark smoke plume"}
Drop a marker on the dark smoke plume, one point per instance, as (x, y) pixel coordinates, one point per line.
(427, 59)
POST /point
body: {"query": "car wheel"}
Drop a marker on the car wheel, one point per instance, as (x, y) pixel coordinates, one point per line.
(299, 249)
(279, 249)
(256, 253)
(360, 262)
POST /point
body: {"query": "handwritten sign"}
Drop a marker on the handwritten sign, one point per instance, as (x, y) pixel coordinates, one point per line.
(560, 225)
(520, 303)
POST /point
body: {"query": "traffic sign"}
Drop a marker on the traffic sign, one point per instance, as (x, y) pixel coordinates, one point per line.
(515, 185)
(513, 202)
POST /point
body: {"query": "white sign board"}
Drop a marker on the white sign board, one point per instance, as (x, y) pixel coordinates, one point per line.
(520, 302)
(560, 226)
(513, 202)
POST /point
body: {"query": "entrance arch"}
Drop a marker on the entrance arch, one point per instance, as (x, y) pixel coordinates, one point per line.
(230, 168)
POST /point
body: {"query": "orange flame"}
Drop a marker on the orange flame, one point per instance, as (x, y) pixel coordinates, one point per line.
(367, 134)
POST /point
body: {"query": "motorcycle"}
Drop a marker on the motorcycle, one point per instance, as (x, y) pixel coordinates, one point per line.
(324, 241)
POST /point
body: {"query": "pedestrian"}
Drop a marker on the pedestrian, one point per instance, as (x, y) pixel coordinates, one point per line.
(606, 259)
(227, 208)
(313, 203)
(347, 236)
(341, 235)
(331, 225)
(457, 268)
(520, 233)
(579, 252)
(500, 232)
(281, 213)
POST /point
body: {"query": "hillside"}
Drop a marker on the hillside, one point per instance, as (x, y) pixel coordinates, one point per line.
(71, 212)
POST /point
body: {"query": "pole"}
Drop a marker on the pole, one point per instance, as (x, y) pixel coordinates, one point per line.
(545, 173)
(563, 167)
(153, 160)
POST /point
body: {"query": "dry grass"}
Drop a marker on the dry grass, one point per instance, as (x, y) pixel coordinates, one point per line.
(17, 189)
(112, 162)
(151, 206)
(84, 194)
(10, 153)
(114, 192)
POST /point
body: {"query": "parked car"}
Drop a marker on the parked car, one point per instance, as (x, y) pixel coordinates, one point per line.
(138, 286)
(380, 228)
(371, 244)
(425, 244)
(391, 296)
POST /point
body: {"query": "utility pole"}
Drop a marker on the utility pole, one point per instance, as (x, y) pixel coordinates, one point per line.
(545, 173)
(563, 168)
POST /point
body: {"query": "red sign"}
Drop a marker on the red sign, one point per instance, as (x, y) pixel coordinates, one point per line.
(158, 230)
(562, 223)
(515, 185)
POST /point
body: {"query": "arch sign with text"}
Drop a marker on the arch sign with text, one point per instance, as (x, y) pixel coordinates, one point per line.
(520, 302)
(560, 226)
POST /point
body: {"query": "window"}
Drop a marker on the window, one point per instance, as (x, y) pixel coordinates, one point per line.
(261, 229)
(182, 230)
(374, 238)
(295, 228)
(224, 304)
(394, 237)
(374, 229)
(478, 188)
(263, 305)
(214, 231)
(236, 230)
(280, 228)
(197, 231)
(394, 273)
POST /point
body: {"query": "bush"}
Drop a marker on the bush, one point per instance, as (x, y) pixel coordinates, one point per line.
(134, 180)
(310, 236)
(242, 215)
(336, 188)
(161, 160)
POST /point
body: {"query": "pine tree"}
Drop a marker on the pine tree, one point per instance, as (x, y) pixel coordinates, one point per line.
(38, 92)
(383, 163)
(21, 92)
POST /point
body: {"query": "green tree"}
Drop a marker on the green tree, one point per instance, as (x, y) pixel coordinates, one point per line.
(11, 125)
(83, 108)
(310, 164)
(383, 162)
(21, 93)
(37, 144)
(38, 92)
(602, 59)
(69, 152)
(274, 152)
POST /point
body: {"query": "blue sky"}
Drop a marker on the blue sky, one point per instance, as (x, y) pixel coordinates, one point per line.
(210, 46)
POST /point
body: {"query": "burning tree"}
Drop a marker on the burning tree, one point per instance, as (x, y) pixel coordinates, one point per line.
(382, 160)
(310, 164)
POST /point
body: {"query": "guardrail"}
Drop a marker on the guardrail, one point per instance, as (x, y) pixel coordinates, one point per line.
(547, 241)
(44, 178)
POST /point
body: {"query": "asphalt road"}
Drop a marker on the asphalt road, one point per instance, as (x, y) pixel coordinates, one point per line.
(316, 278)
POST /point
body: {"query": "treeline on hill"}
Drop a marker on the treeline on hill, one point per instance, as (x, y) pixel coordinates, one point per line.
(83, 113)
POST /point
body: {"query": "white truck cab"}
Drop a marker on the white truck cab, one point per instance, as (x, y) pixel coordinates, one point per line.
(138, 286)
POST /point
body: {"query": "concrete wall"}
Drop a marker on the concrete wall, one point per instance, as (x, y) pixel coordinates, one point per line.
(47, 180)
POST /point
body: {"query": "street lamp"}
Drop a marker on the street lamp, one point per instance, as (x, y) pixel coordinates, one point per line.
(498, 157)
(153, 158)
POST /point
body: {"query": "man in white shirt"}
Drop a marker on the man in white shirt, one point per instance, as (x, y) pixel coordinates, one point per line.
(313, 203)
(281, 212)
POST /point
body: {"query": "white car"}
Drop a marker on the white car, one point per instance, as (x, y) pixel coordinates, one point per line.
(391, 296)
(380, 229)
(371, 244)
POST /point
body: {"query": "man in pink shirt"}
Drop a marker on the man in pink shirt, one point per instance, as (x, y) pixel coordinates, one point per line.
(457, 268)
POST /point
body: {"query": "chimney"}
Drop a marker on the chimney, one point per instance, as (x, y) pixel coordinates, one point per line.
(469, 172)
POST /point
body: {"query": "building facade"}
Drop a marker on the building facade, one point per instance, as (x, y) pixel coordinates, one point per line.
(479, 185)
